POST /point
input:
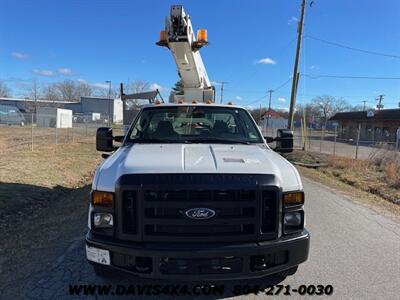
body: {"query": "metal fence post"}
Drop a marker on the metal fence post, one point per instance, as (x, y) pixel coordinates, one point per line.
(309, 138)
(32, 131)
(358, 139)
(334, 142)
(320, 143)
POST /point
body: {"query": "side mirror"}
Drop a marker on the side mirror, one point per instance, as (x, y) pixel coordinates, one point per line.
(104, 139)
(269, 139)
(284, 141)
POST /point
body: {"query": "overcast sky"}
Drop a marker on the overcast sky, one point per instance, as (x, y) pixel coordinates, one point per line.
(252, 46)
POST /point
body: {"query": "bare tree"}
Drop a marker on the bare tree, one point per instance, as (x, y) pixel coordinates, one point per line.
(136, 86)
(83, 90)
(33, 91)
(104, 92)
(4, 90)
(50, 92)
(324, 107)
(67, 90)
(361, 107)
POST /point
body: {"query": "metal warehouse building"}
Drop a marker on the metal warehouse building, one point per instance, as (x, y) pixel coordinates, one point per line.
(375, 125)
(105, 106)
(88, 105)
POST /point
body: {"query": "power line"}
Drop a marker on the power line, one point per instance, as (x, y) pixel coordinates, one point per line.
(351, 48)
(255, 101)
(350, 77)
(282, 85)
(343, 96)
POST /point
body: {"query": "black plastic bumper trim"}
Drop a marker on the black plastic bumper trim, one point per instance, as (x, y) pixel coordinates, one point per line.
(297, 247)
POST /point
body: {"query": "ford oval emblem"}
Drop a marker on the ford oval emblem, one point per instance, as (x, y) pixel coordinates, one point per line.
(200, 213)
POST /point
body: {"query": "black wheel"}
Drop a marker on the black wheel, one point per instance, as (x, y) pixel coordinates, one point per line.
(287, 272)
(103, 272)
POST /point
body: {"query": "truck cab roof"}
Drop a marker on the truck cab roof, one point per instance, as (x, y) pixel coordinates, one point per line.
(162, 104)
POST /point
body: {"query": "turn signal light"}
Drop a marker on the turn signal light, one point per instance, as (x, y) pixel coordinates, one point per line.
(202, 35)
(293, 198)
(102, 198)
(163, 35)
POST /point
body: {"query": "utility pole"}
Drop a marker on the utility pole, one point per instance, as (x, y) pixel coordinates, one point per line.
(222, 88)
(269, 105)
(379, 106)
(270, 98)
(35, 94)
(109, 102)
(295, 79)
(365, 105)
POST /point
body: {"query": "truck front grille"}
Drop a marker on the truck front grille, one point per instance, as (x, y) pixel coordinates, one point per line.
(156, 212)
(164, 214)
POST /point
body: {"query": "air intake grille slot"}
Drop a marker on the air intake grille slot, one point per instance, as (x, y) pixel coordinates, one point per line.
(269, 211)
(129, 212)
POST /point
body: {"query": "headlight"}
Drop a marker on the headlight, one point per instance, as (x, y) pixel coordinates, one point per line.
(103, 220)
(293, 221)
(103, 198)
(293, 198)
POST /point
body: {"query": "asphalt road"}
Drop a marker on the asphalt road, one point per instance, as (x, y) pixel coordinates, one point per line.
(353, 248)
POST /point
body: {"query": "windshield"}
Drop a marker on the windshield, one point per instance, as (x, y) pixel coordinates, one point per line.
(194, 124)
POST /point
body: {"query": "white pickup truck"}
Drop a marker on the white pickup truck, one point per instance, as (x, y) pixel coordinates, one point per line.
(195, 192)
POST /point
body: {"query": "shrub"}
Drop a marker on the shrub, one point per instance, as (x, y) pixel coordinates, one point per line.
(347, 163)
(392, 172)
(389, 163)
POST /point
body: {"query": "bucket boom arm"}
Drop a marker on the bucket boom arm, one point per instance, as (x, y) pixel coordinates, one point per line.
(178, 36)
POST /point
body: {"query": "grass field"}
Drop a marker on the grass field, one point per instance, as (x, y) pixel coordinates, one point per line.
(32, 179)
(44, 197)
(378, 176)
(22, 137)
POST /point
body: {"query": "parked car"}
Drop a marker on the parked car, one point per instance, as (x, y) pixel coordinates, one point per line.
(10, 115)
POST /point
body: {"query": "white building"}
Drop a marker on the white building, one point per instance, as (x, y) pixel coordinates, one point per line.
(54, 117)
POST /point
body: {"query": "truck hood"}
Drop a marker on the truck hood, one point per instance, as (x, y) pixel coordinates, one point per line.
(195, 158)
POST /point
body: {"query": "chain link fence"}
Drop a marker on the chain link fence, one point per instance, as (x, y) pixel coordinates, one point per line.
(328, 142)
(30, 131)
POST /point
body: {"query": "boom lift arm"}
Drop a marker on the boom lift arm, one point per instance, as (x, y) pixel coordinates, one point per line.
(178, 36)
